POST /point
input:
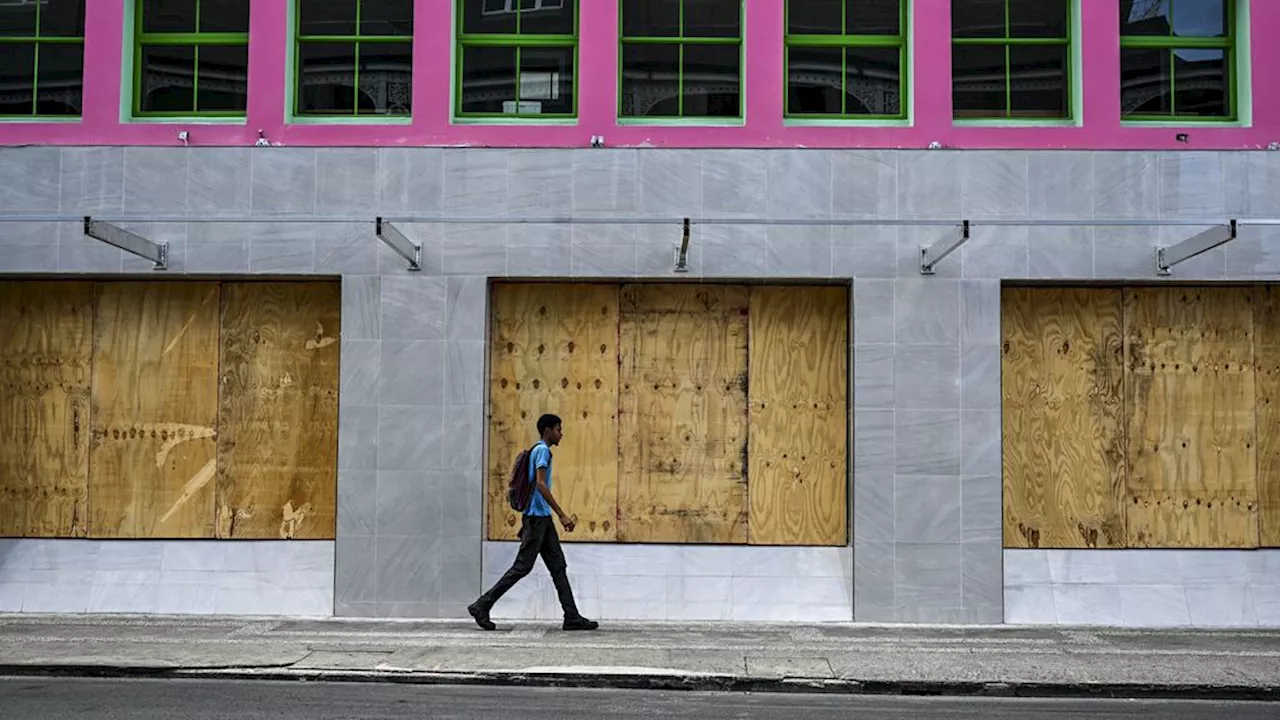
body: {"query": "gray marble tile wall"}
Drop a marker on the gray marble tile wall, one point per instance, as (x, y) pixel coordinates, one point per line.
(1143, 588)
(925, 370)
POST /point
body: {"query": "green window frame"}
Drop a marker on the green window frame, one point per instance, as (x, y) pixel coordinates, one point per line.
(846, 41)
(356, 40)
(1009, 42)
(518, 41)
(38, 41)
(1171, 44)
(682, 40)
(142, 40)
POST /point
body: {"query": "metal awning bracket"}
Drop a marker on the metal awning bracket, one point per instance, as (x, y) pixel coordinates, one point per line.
(931, 255)
(130, 242)
(682, 251)
(403, 246)
(1198, 244)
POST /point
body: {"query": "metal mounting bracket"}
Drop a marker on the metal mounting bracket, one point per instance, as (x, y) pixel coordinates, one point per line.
(1200, 243)
(403, 246)
(682, 251)
(130, 242)
(932, 255)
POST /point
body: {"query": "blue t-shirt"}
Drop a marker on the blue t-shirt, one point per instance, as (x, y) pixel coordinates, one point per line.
(539, 457)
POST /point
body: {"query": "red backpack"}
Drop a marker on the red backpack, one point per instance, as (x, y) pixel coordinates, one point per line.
(520, 487)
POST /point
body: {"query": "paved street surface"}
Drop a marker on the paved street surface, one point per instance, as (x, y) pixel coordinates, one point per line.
(1237, 664)
(67, 699)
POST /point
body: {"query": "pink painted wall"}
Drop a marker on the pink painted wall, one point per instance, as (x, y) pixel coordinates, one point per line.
(598, 68)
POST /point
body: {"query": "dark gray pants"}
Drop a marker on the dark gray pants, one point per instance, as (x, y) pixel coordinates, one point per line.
(538, 536)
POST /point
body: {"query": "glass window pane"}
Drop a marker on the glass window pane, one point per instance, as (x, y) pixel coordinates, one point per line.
(651, 80)
(873, 17)
(386, 78)
(488, 79)
(650, 18)
(977, 18)
(1144, 82)
(814, 84)
(1038, 81)
(168, 79)
(168, 16)
(712, 84)
(1200, 18)
(326, 78)
(1145, 17)
(224, 77)
(978, 86)
(1039, 18)
(546, 80)
(17, 20)
(61, 79)
(548, 17)
(59, 18)
(712, 18)
(17, 71)
(1202, 83)
(386, 17)
(327, 17)
(814, 17)
(874, 81)
(224, 16)
(481, 17)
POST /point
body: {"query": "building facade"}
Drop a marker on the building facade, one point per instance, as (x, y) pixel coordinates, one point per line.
(932, 157)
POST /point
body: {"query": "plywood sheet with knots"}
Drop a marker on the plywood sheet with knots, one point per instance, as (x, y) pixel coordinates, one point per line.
(155, 409)
(554, 349)
(798, 425)
(1267, 378)
(682, 452)
(46, 348)
(1064, 448)
(1192, 423)
(278, 422)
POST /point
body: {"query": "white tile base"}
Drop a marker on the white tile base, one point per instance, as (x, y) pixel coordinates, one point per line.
(179, 577)
(680, 582)
(1143, 588)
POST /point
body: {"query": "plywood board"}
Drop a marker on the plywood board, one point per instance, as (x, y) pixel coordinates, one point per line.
(1266, 348)
(682, 425)
(46, 346)
(155, 391)
(1192, 427)
(798, 447)
(554, 349)
(278, 418)
(1064, 449)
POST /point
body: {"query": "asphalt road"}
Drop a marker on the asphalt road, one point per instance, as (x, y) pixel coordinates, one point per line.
(69, 699)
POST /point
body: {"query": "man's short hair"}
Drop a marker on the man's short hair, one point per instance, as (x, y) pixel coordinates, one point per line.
(546, 422)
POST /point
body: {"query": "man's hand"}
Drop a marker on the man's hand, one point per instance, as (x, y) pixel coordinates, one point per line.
(568, 523)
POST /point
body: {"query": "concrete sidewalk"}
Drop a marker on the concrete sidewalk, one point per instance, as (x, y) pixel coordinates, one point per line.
(811, 658)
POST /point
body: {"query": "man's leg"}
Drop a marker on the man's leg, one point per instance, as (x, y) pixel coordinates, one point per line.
(531, 540)
(553, 557)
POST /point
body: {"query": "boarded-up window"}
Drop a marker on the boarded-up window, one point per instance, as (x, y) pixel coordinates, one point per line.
(670, 435)
(114, 397)
(1175, 447)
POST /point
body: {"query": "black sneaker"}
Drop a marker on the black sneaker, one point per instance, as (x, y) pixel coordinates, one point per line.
(580, 623)
(482, 617)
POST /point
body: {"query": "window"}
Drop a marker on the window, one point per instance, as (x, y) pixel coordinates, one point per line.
(681, 59)
(1011, 59)
(354, 58)
(191, 57)
(517, 58)
(845, 58)
(41, 58)
(1177, 59)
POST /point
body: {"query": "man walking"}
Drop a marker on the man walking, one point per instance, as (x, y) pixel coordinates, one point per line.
(538, 537)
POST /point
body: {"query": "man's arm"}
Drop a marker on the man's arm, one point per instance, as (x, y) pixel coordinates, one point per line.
(541, 479)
